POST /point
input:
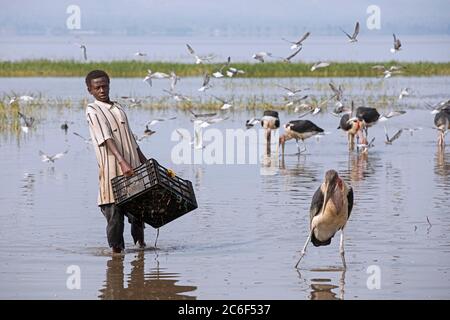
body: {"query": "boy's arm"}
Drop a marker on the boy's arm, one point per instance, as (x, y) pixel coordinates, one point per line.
(127, 170)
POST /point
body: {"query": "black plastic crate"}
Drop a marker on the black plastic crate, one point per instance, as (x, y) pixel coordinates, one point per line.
(154, 194)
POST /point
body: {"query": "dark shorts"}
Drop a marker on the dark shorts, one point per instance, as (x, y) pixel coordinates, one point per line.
(115, 225)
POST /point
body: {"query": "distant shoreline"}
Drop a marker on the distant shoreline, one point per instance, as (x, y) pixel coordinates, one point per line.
(138, 69)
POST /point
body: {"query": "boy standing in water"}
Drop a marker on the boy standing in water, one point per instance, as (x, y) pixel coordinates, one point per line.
(117, 154)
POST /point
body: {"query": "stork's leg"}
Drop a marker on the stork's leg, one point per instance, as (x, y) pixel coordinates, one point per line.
(441, 139)
(157, 235)
(341, 248)
(351, 142)
(298, 147)
(268, 140)
(304, 248)
(342, 285)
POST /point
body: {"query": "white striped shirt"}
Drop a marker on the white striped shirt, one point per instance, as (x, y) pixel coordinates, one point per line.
(110, 122)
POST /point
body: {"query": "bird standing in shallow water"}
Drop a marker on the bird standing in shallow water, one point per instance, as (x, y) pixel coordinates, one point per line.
(298, 130)
(442, 123)
(270, 121)
(330, 210)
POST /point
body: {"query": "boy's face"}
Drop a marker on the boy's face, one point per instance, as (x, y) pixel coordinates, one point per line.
(99, 88)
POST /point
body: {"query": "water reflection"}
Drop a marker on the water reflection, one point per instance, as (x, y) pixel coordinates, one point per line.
(442, 165)
(156, 285)
(28, 182)
(322, 288)
(360, 166)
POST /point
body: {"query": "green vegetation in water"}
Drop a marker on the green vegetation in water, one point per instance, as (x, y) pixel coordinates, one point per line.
(49, 68)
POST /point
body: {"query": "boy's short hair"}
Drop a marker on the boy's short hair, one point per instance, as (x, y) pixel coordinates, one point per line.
(95, 74)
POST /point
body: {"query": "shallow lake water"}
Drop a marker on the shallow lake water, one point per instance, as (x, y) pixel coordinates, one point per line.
(246, 235)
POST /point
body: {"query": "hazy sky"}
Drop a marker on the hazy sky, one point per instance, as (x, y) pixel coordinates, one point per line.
(198, 16)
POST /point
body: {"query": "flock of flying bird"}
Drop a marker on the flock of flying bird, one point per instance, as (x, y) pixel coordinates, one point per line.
(332, 202)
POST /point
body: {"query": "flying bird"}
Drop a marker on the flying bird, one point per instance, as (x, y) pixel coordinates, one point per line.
(288, 58)
(297, 44)
(352, 38)
(205, 85)
(155, 75)
(225, 104)
(199, 59)
(319, 65)
(404, 92)
(397, 44)
(394, 137)
(27, 122)
(88, 141)
(260, 56)
(52, 158)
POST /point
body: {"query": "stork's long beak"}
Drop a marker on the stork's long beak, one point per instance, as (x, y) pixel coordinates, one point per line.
(329, 189)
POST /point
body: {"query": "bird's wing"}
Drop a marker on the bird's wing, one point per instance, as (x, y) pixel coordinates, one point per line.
(219, 99)
(59, 155)
(349, 36)
(350, 201)
(316, 204)
(288, 41)
(191, 51)
(395, 38)
(79, 135)
(387, 136)
(44, 157)
(397, 135)
(335, 90)
(294, 54)
(355, 33)
(22, 116)
(306, 35)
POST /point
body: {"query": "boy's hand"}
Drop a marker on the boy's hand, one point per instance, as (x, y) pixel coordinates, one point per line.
(126, 169)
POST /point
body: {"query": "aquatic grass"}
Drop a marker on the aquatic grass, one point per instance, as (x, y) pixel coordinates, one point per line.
(72, 68)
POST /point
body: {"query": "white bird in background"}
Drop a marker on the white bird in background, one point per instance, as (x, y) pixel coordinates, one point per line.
(404, 92)
(319, 65)
(297, 44)
(260, 56)
(205, 85)
(225, 104)
(219, 73)
(199, 59)
(27, 122)
(87, 141)
(155, 75)
(291, 91)
(202, 115)
(388, 72)
(397, 44)
(155, 121)
(47, 158)
(140, 54)
(250, 123)
(231, 72)
(366, 146)
(197, 142)
(352, 38)
(21, 98)
(178, 97)
(173, 80)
